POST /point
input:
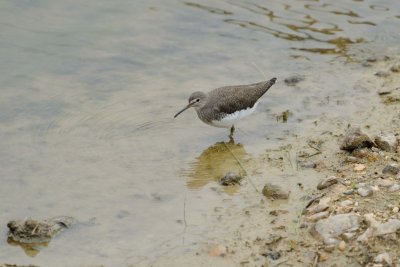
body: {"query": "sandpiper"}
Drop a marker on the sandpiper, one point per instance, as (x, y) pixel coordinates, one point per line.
(223, 106)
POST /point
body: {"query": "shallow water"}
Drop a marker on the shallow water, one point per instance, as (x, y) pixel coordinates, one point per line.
(88, 91)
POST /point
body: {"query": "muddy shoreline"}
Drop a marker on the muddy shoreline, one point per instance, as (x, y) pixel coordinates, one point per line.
(282, 232)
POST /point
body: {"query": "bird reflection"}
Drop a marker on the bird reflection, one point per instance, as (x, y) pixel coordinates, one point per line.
(214, 162)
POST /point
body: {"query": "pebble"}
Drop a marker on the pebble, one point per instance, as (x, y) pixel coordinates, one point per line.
(352, 159)
(318, 216)
(355, 138)
(321, 206)
(308, 164)
(274, 192)
(359, 167)
(327, 182)
(218, 251)
(365, 191)
(382, 74)
(331, 228)
(342, 245)
(230, 178)
(294, 79)
(386, 141)
(384, 182)
(349, 192)
(395, 68)
(384, 258)
(392, 168)
(394, 188)
(395, 210)
(346, 203)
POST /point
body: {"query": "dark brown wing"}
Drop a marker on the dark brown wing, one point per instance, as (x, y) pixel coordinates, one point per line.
(228, 99)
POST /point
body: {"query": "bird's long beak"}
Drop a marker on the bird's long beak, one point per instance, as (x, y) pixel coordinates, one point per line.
(185, 108)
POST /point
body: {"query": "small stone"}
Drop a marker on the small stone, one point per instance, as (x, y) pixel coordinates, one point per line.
(274, 255)
(395, 68)
(395, 210)
(318, 216)
(359, 167)
(272, 238)
(355, 138)
(352, 159)
(327, 182)
(386, 142)
(392, 168)
(294, 79)
(218, 251)
(342, 245)
(365, 191)
(384, 258)
(346, 203)
(308, 164)
(349, 192)
(274, 192)
(394, 188)
(331, 228)
(230, 178)
(384, 182)
(321, 206)
(382, 74)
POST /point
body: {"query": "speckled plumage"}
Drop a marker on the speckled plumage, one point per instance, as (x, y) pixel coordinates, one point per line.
(221, 107)
(229, 99)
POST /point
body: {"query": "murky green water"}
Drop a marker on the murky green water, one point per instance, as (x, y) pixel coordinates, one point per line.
(88, 91)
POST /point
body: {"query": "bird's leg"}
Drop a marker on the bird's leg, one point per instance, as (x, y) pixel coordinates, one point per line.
(232, 131)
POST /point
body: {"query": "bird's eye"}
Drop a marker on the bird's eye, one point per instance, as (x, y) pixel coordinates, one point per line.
(198, 99)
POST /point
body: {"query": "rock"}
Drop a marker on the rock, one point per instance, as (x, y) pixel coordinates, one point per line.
(384, 258)
(331, 228)
(386, 142)
(293, 80)
(34, 231)
(382, 74)
(355, 138)
(391, 226)
(274, 192)
(278, 212)
(342, 245)
(395, 210)
(352, 159)
(274, 255)
(395, 68)
(327, 182)
(230, 178)
(384, 182)
(359, 167)
(318, 216)
(392, 168)
(272, 238)
(362, 153)
(346, 203)
(218, 251)
(308, 164)
(365, 191)
(378, 229)
(349, 192)
(394, 188)
(321, 206)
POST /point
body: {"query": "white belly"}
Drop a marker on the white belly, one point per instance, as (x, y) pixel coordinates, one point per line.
(231, 119)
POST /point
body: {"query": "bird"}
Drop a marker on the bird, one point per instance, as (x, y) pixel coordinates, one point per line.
(224, 106)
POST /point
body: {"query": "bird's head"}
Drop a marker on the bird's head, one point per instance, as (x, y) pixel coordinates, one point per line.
(196, 100)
